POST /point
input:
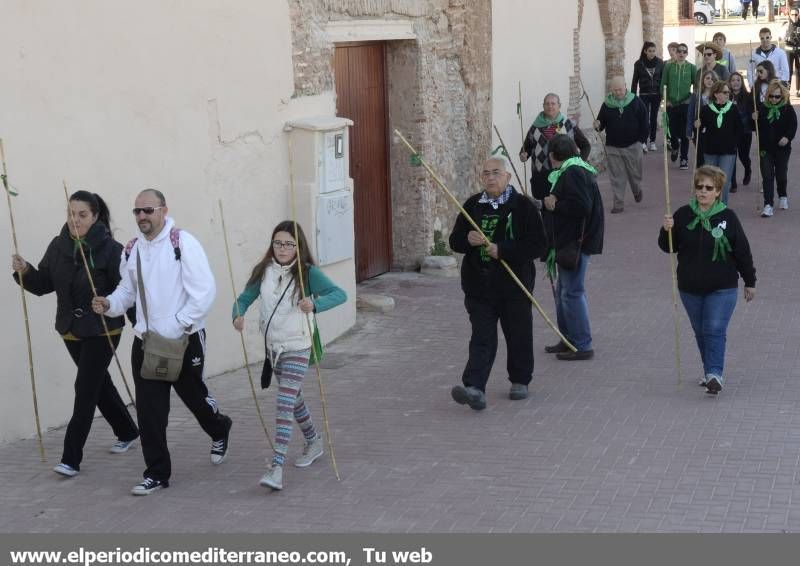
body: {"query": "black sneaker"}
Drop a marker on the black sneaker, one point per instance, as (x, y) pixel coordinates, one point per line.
(219, 448)
(148, 486)
(673, 155)
(575, 356)
(556, 348)
(746, 178)
(684, 164)
(734, 187)
(472, 396)
(713, 386)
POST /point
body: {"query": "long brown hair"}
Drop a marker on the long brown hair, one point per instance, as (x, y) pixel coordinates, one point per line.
(303, 254)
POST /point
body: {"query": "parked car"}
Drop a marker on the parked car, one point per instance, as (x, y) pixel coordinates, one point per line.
(703, 12)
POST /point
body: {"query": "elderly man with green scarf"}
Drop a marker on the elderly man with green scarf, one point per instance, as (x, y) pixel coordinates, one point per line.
(624, 118)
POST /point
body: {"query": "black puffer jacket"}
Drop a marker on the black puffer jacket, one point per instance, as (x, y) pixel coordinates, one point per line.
(793, 35)
(646, 83)
(61, 270)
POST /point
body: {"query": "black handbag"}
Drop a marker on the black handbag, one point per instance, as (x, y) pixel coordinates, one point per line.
(266, 369)
(569, 256)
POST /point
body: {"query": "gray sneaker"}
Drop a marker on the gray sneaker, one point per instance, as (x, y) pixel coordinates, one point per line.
(471, 396)
(273, 478)
(312, 450)
(518, 391)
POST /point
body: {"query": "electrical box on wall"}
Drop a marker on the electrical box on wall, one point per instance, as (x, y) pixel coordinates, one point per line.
(334, 175)
(335, 237)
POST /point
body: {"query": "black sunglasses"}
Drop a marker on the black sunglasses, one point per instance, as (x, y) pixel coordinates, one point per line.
(775, 96)
(705, 188)
(148, 210)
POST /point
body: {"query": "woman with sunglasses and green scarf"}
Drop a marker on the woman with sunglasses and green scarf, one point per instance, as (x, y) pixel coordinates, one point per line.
(720, 129)
(777, 125)
(713, 252)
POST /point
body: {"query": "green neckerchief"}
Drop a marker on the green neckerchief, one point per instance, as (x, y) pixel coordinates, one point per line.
(575, 161)
(774, 109)
(76, 243)
(720, 112)
(543, 121)
(721, 244)
(620, 105)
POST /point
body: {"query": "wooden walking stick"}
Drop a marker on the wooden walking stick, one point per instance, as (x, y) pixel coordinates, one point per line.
(675, 312)
(522, 132)
(94, 294)
(756, 96)
(472, 222)
(508, 156)
(308, 321)
(24, 307)
(699, 86)
(594, 116)
(241, 334)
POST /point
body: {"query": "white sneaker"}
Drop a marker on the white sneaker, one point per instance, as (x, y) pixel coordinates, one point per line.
(312, 450)
(767, 212)
(273, 478)
(122, 446)
(653, 146)
(644, 147)
(784, 203)
(65, 470)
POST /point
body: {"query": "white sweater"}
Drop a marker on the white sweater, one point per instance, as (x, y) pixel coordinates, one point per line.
(179, 292)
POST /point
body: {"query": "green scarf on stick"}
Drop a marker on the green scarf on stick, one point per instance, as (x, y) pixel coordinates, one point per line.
(721, 244)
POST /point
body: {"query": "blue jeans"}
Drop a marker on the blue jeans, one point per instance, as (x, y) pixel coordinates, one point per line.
(572, 308)
(725, 162)
(710, 315)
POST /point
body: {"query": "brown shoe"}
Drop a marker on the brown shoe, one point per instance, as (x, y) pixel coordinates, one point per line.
(617, 210)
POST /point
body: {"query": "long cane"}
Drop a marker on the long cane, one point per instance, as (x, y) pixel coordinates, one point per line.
(758, 136)
(699, 86)
(477, 229)
(675, 313)
(522, 131)
(241, 334)
(94, 294)
(594, 116)
(308, 322)
(508, 155)
(24, 307)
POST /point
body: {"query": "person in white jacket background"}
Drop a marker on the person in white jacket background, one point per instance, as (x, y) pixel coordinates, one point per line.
(180, 289)
(287, 323)
(768, 51)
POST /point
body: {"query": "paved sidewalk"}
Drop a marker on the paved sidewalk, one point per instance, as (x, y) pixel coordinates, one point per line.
(606, 445)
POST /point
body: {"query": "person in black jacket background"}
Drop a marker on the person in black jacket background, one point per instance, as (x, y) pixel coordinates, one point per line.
(777, 125)
(624, 118)
(513, 224)
(712, 252)
(646, 83)
(793, 47)
(574, 219)
(62, 270)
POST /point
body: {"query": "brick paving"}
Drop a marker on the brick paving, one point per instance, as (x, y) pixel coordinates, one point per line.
(602, 446)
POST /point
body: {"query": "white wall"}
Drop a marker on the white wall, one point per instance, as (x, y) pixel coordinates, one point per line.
(633, 40)
(190, 98)
(593, 62)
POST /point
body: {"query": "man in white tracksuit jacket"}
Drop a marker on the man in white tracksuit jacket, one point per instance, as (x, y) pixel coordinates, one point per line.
(180, 289)
(768, 51)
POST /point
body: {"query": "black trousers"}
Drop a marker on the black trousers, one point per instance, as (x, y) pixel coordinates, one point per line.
(677, 128)
(652, 102)
(774, 169)
(94, 389)
(794, 65)
(152, 405)
(516, 320)
(743, 149)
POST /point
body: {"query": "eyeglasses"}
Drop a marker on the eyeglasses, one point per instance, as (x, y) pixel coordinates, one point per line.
(148, 210)
(683, 51)
(277, 244)
(705, 188)
(492, 173)
(775, 96)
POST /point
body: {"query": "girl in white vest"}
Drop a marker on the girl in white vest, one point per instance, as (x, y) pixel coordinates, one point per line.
(287, 322)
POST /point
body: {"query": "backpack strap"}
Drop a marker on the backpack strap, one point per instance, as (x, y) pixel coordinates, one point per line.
(174, 238)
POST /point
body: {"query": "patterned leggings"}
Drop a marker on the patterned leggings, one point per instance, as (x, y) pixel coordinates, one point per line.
(290, 367)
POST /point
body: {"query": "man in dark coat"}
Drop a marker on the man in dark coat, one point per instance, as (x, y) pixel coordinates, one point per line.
(513, 226)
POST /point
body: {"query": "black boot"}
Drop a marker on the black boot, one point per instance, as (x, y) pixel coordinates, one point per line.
(734, 186)
(746, 178)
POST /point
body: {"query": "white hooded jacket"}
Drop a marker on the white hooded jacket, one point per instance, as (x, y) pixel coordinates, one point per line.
(179, 292)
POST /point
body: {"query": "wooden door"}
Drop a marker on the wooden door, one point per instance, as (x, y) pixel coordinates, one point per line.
(361, 96)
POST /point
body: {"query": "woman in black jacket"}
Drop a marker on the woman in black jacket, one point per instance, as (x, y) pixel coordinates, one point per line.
(647, 78)
(777, 126)
(720, 128)
(743, 101)
(62, 270)
(712, 252)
